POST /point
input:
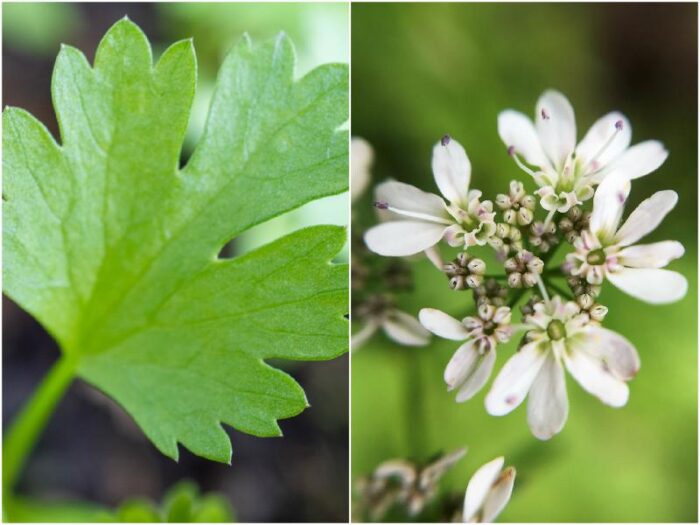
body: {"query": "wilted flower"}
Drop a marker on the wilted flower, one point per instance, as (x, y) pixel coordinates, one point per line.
(402, 482)
(559, 335)
(419, 220)
(606, 251)
(361, 158)
(471, 365)
(378, 311)
(566, 172)
(488, 492)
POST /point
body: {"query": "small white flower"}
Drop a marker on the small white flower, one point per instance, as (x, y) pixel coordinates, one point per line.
(361, 159)
(567, 172)
(378, 312)
(419, 220)
(488, 492)
(472, 363)
(607, 250)
(559, 335)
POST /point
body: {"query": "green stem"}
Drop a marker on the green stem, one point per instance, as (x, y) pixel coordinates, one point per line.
(31, 421)
(414, 417)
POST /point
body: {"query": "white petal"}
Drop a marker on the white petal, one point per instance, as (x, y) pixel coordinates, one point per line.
(443, 325)
(499, 496)
(518, 131)
(411, 200)
(652, 285)
(400, 238)
(556, 126)
(433, 255)
(640, 159)
(461, 365)
(547, 404)
(405, 329)
(646, 217)
(360, 338)
(618, 353)
(604, 142)
(608, 204)
(479, 487)
(655, 255)
(452, 170)
(593, 375)
(514, 380)
(478, 378)
(361, 159)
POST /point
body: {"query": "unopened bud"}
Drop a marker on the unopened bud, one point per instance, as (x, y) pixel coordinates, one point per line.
(529, 202)
(457, 282)
(510, 265)
(529, 279)
(474, 281)
(585, 301)
(566, 225)
(463, 259)
(515, 280)
(477, 266)
(510, 216)
(598, 312)
(503, 201)
(535, 265)
(524, 217)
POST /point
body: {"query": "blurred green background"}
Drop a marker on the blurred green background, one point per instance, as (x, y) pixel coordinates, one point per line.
(91, 450)
(420, 71)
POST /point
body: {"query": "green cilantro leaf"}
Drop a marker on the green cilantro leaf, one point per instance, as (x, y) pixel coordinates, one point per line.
(114, 249)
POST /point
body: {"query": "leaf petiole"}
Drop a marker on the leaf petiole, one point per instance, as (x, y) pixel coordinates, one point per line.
(31, 421)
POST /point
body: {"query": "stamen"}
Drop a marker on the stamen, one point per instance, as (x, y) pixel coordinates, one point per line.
(594, 160)
(416, 215)
(512, 153)
(545, 115)
(445, 140)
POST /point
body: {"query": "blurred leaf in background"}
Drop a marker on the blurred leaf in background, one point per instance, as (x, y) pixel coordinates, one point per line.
(421, 71)
(39, 31)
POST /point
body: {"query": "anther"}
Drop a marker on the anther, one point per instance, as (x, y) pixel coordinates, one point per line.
(445, 140)
(618, 125)
(545, 115)
(511, 150)
(381, 205)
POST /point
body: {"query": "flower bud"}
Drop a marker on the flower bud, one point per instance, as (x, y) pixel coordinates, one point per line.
(566, 225)
(598, 312)
(477, 266)
(529, 279)
(529, 202)
(503, 201)
(474, 281)
(510, 265)
(457, 282)
(585, 301)
(575, 213)
(524, 217)
(462, 258)
(510, 216)
(536, 265)
(486, 311)
(515, 280)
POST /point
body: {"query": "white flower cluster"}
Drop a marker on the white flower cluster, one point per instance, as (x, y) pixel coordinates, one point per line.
(559, 329)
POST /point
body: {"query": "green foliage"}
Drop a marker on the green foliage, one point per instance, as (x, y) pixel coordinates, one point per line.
(113, 249)
(182, 504)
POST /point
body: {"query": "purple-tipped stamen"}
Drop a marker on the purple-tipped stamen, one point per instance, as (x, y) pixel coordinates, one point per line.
(619, 125)
(445, 140)
(381, 205)
(545, 115)
(511, 150)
